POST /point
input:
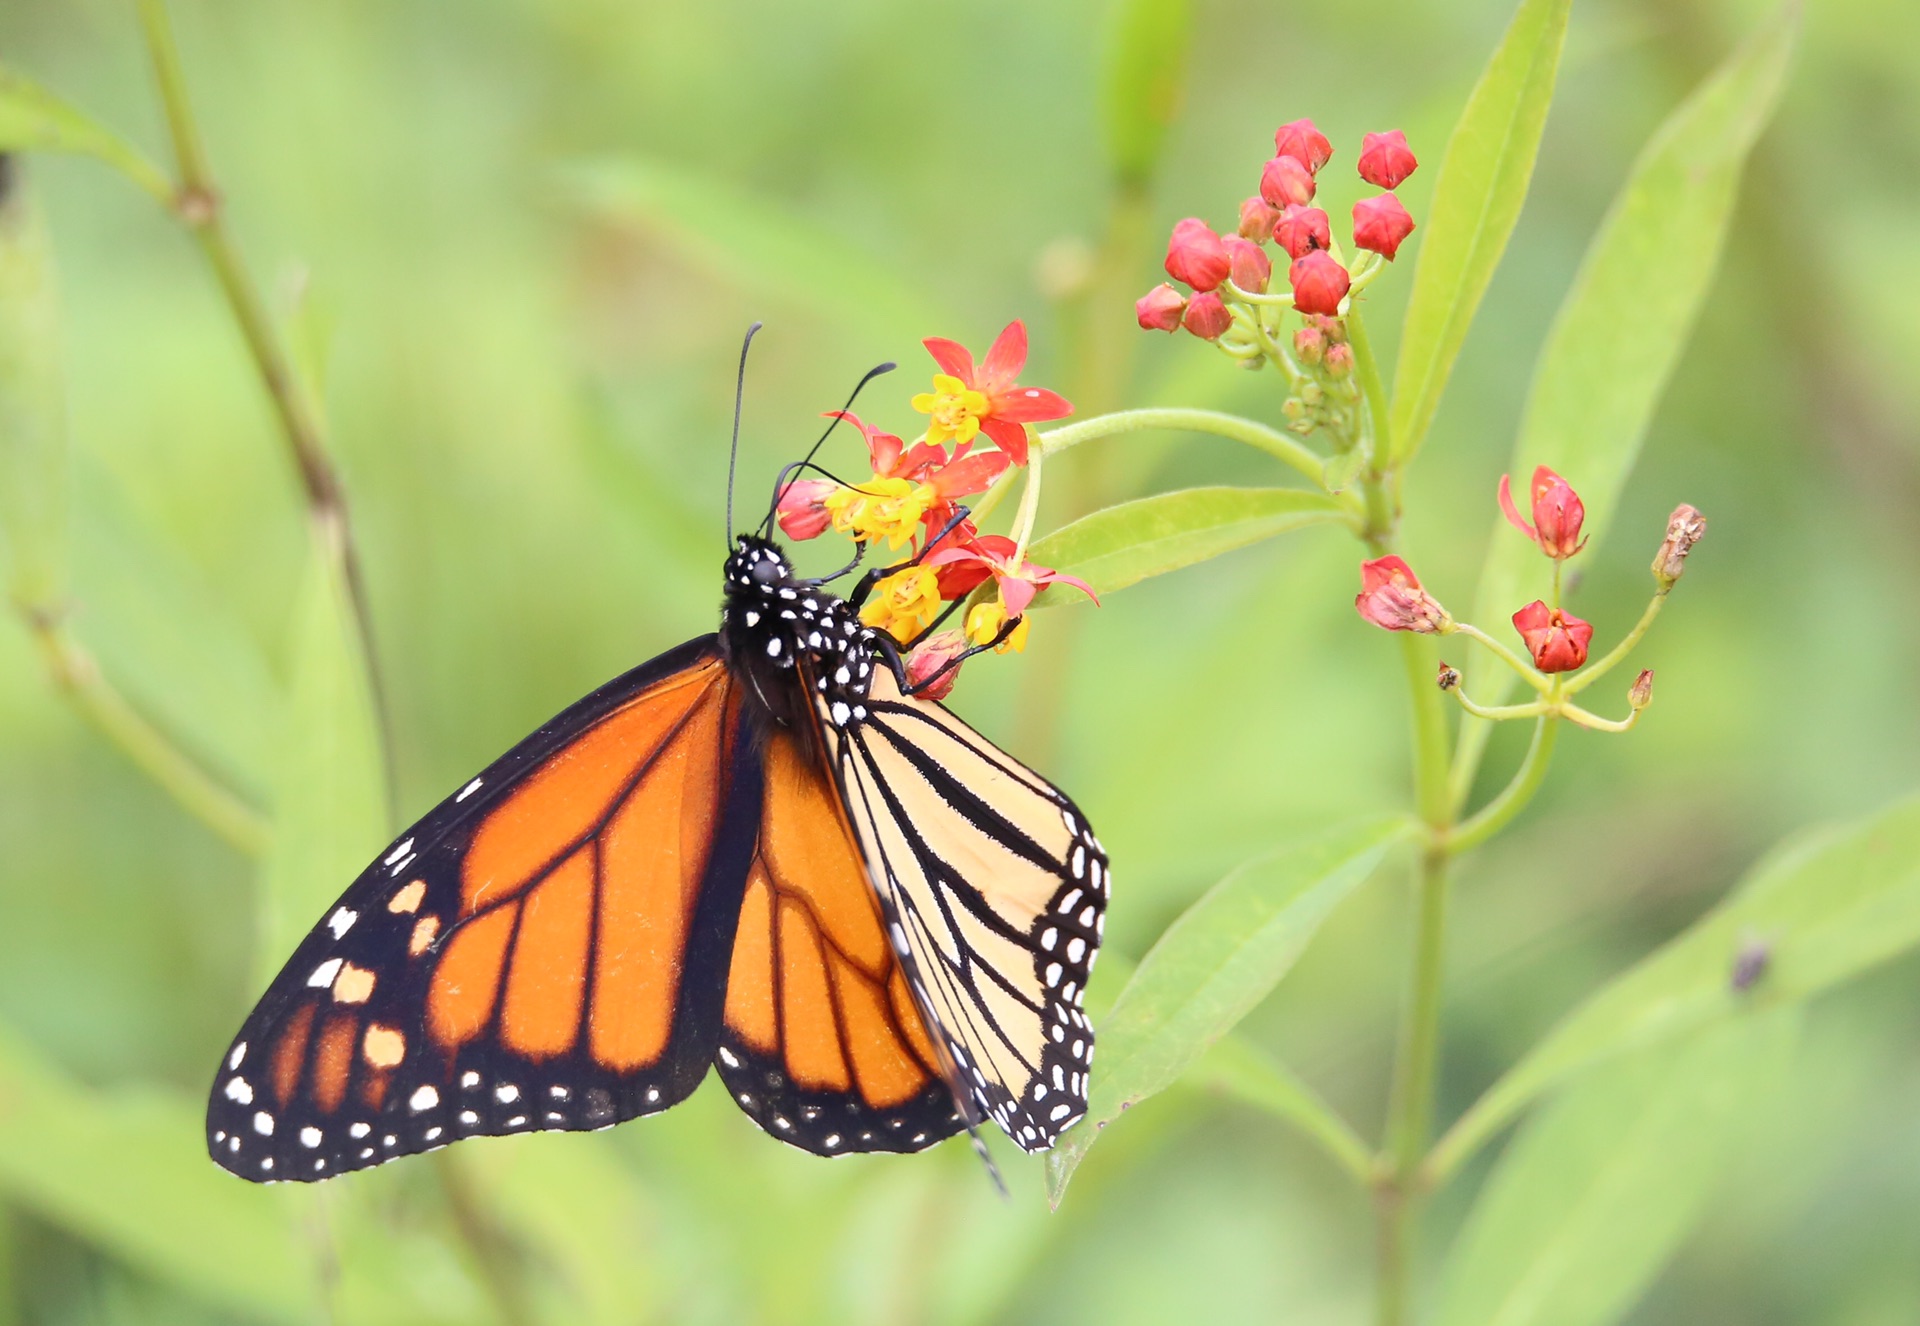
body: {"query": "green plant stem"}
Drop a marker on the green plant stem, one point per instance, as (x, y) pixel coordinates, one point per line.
(78, 677)
(1499, 712)
(1521, 668)
(1497, 813)
(1029, 507)
(196, 202)
(1575, 714)
(1373, 387)
(1595, 670)
(1270, 440)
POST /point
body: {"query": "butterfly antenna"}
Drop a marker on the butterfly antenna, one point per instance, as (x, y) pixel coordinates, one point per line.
(780, 489)
(733, 450)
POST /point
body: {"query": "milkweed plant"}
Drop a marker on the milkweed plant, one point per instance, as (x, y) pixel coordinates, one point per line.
(1622, 1106)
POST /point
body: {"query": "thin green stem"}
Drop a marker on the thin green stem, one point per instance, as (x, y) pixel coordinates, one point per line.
(1575, 714)
(200, 794)
(1499, 812)
(1258, 435)
(1373, 386)
(1595, 670)
(1029, 506)
(1499, 712)
(1524, 670)
(197, 203)
(1430, 755)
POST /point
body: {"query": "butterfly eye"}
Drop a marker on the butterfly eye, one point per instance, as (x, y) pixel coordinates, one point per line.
(765, 574)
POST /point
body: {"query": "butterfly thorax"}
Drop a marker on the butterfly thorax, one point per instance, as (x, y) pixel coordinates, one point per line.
(789, 637)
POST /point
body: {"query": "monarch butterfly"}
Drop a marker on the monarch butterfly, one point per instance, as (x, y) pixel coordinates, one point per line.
(758, 851)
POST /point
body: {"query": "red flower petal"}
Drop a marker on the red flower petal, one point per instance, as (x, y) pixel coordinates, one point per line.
(1031, 405)
(1009, 436)
(971, 475)
(1513, 512)
(954, 358)
(1005, 358)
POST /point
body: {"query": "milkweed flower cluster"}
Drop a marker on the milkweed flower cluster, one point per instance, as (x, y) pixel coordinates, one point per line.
(1557, 642)
(977, 429)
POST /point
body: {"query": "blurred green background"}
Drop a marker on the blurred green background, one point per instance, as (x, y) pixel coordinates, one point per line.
(525, 236)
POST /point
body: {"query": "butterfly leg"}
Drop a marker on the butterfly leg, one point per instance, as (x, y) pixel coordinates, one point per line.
(879, 573)
(896, 654)
(859, 552)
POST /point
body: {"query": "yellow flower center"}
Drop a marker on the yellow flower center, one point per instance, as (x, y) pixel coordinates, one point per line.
(880, 508)
(956, 410)
(904, 604)
(986, 620)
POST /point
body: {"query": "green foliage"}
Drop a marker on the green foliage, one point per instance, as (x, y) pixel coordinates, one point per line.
(1823, 911)
(33, 433)
(32, 118)
(1620, 332)
(1594, 1195)
(1483, 183)
(1150, 536)
(1144, 83)
(1212, 966)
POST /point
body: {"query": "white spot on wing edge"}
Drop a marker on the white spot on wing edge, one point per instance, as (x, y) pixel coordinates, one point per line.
(342, 921)
(323, 975)
(468, 790)
(423, 1099)
(239, 1053)
(239, 1092)
(398, 852)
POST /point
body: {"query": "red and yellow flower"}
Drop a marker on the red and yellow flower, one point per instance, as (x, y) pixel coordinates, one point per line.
(967, 401)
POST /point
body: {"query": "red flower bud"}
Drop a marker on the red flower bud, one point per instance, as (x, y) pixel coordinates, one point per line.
(1557, 513)
(1256, 219)
(1339, 360)
(1380, 223)
(1284, 180)
(1206, 316)
(801, 510)
(1319, 282)
(1685, 527)
(1196, 255)
(1160, 308)
(1300, 230)
(1310, 345)
(1557, 640)
(1304, 143)
(1385, 159)
(1251, 268)
(1640, 694)
(929, 658)
(1391, 598)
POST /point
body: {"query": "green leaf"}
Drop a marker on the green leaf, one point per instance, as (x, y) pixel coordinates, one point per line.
(33, 423)
(330, 802)
(1238, 1068)
(1212, 967)
(33, 119)
(1144, 83)
(1825, 910)
(747, 240)
(1125, 544)
(1483, 183)
(128, 1172)
(1591, 1200)
(1620, 332)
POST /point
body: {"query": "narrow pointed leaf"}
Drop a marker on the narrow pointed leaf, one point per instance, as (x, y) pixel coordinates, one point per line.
(330, 798)
(1822, 911)
(1483, 183)
(1128, 543)
(33, 119)
(1622, 328)
(1212, 967)
(1594, 1197)
(1238, 1068)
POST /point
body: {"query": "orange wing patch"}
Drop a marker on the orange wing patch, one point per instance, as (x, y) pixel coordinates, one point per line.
(814, 993)
(587, 875)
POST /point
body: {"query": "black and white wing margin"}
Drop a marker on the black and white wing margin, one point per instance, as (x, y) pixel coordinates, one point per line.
(995, 892)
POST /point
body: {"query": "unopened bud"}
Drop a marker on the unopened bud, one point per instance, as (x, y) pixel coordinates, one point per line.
(1196, 255)
(1310, 344)
(1685, 527)
(1160, 308)
(1380, 223)
(1385, 159)
(1294, 408)
(1340, 360)
(1284, 181)
(1449, 677)
(1640, 695)
(924, 666)
(1391, 598)
(1304, 143)
(1319, 281)
(1257, 218)
(1312, 393)
(1301, 230)
(1207, 316)
(1251, 267)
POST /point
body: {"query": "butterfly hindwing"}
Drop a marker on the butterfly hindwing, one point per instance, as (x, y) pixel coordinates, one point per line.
(544, 950)
(825, 1047)
(996, 895)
